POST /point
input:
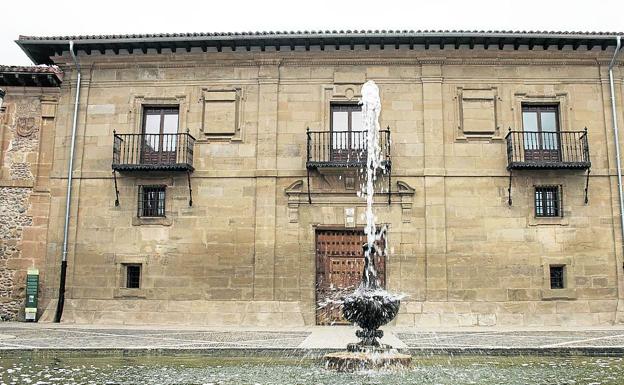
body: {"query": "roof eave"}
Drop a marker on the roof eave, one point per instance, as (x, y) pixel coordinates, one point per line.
(36, 60)
(48, 47)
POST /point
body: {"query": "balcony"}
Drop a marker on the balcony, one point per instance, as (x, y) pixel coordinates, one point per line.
(547, 150)
(336, 149)
(153, 152)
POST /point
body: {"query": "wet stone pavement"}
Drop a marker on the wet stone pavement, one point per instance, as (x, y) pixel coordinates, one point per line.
(533, 339)
(28, 336)
(39, 337)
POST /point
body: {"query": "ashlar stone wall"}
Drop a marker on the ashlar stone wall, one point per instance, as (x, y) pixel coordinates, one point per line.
(244, 253)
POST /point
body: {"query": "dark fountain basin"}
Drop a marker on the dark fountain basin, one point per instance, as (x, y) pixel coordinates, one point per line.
(369, 307)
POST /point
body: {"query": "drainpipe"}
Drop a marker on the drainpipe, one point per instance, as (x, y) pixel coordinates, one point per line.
(61, 299)
(617, 144)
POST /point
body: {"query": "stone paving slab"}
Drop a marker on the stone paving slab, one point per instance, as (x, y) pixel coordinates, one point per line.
(29, 336)
(514, 339)
(75, 337)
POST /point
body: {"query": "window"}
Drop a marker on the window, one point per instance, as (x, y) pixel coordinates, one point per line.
(133, 276)
(348, 139)
(541, 132)
(160, 128)
(557, 277)
(548, 201)
(151, 201)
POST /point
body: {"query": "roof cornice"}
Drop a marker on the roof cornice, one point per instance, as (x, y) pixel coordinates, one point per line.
(41, 49)
(30, 76)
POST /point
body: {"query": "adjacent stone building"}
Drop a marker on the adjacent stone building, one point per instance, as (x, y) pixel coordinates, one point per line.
(216, 178)
(26, 145)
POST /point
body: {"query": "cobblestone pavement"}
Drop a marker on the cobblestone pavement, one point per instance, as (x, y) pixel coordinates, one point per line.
(75, 337)
(15, 336)
(515, 339)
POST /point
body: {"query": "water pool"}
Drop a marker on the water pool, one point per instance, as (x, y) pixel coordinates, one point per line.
(434, 370)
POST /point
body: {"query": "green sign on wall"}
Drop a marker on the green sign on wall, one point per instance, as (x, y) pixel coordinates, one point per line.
(32, 296)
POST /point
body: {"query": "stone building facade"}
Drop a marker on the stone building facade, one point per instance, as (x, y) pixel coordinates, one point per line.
(222, 120)
(26, 137)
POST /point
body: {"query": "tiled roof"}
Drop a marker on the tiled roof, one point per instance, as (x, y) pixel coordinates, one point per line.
(320, 33)
(41, 48)
(30, 76)
(31, 69)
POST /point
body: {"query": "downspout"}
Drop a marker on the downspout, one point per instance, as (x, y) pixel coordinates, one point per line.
(617, 151)
(61, 298)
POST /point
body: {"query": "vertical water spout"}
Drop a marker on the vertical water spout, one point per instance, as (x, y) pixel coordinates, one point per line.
(370, 306)
(371, 108)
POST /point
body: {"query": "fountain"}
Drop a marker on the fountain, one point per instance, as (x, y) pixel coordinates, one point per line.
(369, 306)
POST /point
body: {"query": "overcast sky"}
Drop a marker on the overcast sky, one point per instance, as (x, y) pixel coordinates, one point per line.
(65, 17)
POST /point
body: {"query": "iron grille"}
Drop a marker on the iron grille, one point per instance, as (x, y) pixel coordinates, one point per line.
(548, 202)
(151, 201)
(133, 276)
(556, 277)
(343, 148)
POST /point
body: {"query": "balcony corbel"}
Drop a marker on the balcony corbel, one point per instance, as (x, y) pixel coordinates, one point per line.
(116, 189)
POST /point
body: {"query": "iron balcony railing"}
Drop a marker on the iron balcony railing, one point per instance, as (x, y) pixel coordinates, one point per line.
(535, 150)
(135, 152)
(343, 148)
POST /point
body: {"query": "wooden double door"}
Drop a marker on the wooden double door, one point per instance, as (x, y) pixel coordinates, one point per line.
(339, 265)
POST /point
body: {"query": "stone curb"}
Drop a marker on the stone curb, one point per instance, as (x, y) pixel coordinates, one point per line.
(314, 353)
(511, 351)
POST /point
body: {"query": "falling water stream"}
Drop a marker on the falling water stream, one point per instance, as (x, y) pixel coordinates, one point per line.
(371, 108)
(370, 285)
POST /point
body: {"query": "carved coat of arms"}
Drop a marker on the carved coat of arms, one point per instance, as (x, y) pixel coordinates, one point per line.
(25, 126)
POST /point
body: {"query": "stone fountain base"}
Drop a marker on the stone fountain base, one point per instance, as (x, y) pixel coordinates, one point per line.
(377, 358)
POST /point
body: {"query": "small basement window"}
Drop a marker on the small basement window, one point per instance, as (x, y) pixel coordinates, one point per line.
(548, 201)
(151, 201)
(557, 280)
(133, 276)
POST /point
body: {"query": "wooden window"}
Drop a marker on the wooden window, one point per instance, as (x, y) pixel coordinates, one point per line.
(160, 120)
(133, 276)
(548, 201)
(151, 201)
(160, 128)
(348, 139)
(541, 132)
(557, 279)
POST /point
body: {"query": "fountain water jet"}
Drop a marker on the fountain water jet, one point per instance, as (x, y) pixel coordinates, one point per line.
(370, 306)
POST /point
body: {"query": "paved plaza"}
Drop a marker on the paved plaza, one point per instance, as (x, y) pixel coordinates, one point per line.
(28, 336)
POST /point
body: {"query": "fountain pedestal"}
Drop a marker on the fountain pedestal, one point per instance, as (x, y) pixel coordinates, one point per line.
(368, 341)
(387, 359)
